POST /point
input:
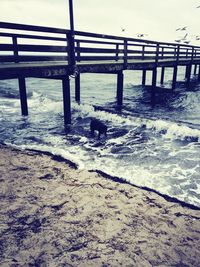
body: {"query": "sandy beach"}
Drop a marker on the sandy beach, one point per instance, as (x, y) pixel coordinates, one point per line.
(55, 215)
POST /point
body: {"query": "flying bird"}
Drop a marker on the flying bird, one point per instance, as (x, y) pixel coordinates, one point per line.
(186, 42)
(140, 35)
(184, 37)
(198, 7)
(182, 29)
(178, 41)
(123, 29)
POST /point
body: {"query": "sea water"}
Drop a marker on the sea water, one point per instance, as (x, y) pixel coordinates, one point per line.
(154, 147)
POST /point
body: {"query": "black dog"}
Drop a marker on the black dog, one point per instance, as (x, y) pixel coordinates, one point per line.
(97, 125)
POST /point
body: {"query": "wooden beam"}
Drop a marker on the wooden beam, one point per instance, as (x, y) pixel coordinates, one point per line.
(195, 69)
(153, 87)
(162, 75)
(199, 74)
(77, 88)
(188, 77)
(23, 96)
(120, 79)
(186, 71)
(66, 100)
(144, 72)
(174, 77)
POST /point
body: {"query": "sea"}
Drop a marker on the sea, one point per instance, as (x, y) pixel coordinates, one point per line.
(155, 147)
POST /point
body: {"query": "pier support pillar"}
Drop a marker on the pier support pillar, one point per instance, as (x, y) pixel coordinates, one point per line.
(66, 100)
(162, 75)
(174, 77)
(186, 71)
(199, 74)
(23, 96)
(188, 74)
(144, 72)
(77, 88)
(120, 80)
(153, 87)
(195, 69)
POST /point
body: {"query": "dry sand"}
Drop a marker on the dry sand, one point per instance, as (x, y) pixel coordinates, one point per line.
(54, 215)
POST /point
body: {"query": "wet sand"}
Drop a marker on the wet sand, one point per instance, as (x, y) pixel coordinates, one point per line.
(55, 215)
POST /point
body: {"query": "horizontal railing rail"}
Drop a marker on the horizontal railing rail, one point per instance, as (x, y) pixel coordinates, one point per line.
(27, 43)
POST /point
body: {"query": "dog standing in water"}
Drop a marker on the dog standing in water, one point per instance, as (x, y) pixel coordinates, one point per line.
(97, 125)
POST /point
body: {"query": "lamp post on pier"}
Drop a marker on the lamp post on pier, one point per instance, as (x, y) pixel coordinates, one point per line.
(71, 37)
(71, 16)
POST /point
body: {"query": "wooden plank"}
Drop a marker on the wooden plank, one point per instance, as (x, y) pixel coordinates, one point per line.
(84, 41)
(174, 77)
(144, 77)
(12, 58)
(66, 100)
(23, 96)
(33, 48)
(29, 36)
(198, 74)
(77, 88)
(162, 75)
(195, 69)
(15, 50)
(120, 79)
(153, 87)
(21, 27)
(112, 37)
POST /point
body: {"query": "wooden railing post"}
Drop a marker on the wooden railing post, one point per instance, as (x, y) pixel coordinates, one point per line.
(162, 52)
(143, 51)
(154, 76)
(175, 67)
(117, 52)
(190, 68)
(187, 53)
(71, 51)
(15, 50)
(125, 53)
(78, 52)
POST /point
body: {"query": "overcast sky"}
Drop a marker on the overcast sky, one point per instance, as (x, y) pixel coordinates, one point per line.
(159, 19)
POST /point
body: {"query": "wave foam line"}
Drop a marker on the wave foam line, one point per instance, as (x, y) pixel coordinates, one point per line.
(170, 130)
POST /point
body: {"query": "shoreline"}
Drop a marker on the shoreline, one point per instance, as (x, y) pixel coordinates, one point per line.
(107, 176)
(56, 215)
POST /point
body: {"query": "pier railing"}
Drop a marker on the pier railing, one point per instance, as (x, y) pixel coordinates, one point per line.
(28, 43)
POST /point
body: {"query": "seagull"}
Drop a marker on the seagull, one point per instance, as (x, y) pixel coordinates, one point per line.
(178, 41)
(184, 37)
(197, 37)
(186, 42)
(123, 29)
(140, 35)
(198, 7)
(182, 29)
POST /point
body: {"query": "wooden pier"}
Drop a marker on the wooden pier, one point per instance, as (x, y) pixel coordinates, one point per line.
(52, 53)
